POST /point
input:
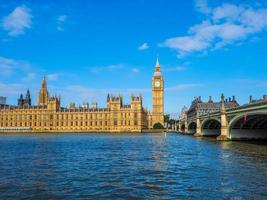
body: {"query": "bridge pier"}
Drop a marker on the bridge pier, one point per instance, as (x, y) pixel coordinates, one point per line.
(180, 127)
(198, 128)
(185, 127)
(224, 124)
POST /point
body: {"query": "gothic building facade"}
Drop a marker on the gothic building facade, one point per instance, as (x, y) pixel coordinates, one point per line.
(50, 116)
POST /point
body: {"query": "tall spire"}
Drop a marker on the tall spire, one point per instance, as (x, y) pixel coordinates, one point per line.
(157, 62)
(43, 94)
(157, 68)
(44, 82)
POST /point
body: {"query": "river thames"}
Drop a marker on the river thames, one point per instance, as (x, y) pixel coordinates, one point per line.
(127, 166)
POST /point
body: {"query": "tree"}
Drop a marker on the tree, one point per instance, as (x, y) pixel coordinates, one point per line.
(166, 118)
(158, 126)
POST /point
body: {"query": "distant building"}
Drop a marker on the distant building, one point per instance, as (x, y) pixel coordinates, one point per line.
(2, 100)
(200, 107)
(251, 100)
(49, 116)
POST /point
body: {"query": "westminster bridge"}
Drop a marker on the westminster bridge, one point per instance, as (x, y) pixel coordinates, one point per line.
(248, 121)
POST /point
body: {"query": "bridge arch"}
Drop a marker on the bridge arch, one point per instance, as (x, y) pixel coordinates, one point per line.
(211, 127)
(252, 125)
(192, 127)
(183, 127)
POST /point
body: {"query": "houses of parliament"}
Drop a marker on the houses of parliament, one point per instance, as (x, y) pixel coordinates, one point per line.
(49, 116)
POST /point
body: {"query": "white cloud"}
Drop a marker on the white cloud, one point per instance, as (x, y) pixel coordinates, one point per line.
(224, 25)
(60, 22)
(182, 87)
(11, 89)
(8, 66)
(202, 6)
(85, 93)
(144, 46)
(17, 21)
(62, 18)
(252, 83)
(82, 92)
(108, 68)
(135, 70)
(174, 69)
(29, 77)
(52, 77)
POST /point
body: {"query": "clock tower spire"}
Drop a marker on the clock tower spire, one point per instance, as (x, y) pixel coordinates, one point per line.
(157, 95)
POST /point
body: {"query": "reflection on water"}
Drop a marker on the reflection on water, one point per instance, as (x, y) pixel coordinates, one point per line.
(149, 166)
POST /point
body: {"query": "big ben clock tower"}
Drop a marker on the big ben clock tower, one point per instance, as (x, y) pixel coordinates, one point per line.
(157, 96)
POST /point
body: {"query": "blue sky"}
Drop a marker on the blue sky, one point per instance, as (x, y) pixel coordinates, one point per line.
(89, 48)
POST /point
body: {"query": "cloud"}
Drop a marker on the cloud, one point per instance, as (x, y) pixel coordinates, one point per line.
(202, 6)
(182, 87)
(52, 77)
(82, 92)
(144, 46)
(85, 93)
(9, 66)
(224, 25)
(11, 89)
(135, 70)
(60, 22)
(17, 21)
(108, 68)
(252, 83)
(29, 77)
(174, 69)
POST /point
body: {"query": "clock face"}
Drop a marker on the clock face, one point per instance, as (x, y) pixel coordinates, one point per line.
(157, 83)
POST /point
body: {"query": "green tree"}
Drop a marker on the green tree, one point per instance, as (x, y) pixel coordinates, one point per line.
(166, 118)
(158, 126)
(171, 121)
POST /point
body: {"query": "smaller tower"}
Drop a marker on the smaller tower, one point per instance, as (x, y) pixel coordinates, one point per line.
(20, 101)
(28, 101)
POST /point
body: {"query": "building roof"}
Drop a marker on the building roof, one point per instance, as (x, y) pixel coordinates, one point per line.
(157, 71)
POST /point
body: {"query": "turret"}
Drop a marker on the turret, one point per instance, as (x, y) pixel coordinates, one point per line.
(72, 105)
(222, 104)
(250, 99)
(210, 99)
(20, 101)
(53, 103)
(28, 98)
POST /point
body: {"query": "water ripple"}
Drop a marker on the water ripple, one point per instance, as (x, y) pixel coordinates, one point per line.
(127, 166)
